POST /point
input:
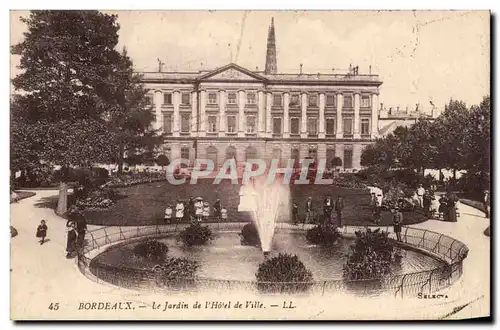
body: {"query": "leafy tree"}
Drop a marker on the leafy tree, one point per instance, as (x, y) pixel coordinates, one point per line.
(162, 160)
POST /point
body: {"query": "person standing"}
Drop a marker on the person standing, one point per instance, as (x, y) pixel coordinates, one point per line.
(191, 209)
(452, 206)
(198, 209)
(308, 210)
(487, 203)
(81, 227)
(168, 214)
(443, 207)
(71, 240)
(295, 213)
(179, 210)
(41, 231)
(327, 207)
(217, 210)
(339, 206)
(206, 211)
(427, 200)
(420, 195)
(397, 221)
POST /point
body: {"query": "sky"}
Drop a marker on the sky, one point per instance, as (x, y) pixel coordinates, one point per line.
(421, 56)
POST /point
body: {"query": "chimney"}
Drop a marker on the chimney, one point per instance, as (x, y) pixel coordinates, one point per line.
(300, 68)
(370, 69)
(406, 110)
(397, 109)
(256, 68)
(318, 74)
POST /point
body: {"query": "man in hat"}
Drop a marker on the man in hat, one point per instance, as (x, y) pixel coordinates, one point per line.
(420, 195)
(295, 213)
(217, 210)
(397, 221)
(309, 210)
(339, 206)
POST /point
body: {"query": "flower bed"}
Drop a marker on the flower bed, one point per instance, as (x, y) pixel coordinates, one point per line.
(131, 180)
(97, 199)
(348, 182)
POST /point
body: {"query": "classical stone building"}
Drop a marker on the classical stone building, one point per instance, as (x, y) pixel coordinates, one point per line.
(233, 112)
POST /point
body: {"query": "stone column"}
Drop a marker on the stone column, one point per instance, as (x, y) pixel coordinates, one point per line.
(241, 113)
(262, 115)
(356, 117)
(203, 119)
(303, 126)
(269, 119)
(222, 113)
(286, 119)
(357, 149)
(374, 128)
(194, 112)
(340, 129)
(177, 119)
(157, 99)
(321, 152)
(339, 152)
(321, 130)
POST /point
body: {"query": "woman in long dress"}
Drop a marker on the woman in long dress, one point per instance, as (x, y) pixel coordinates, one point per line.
(71, 241)
(452, 210)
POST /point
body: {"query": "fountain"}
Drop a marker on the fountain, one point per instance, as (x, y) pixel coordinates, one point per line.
(265, 201)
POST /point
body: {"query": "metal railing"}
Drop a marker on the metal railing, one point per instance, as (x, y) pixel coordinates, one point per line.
(445, 248)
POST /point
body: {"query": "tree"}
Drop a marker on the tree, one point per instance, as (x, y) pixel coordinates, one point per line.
(162, 160)
(65, 88)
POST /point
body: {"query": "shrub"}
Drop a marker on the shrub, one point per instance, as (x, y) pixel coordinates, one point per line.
(152, 250)
(250, 235)
(95, 199)
(283, 268)
(176, 272)
(325, 236)
(196, 234)
(370, 256)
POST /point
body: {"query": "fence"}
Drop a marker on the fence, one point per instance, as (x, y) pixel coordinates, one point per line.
(447, 249)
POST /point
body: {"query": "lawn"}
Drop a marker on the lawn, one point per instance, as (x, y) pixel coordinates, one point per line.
(144, 204)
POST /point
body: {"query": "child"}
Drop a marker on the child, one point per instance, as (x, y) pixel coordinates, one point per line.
(224, 214)
(199, 209)
(179, 210)
(41, 231)
(397, 220)
(168, 214)
(206, 211)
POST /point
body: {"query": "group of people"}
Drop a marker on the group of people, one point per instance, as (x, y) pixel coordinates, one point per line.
(194, 209)
(76, 227)
(332, 211)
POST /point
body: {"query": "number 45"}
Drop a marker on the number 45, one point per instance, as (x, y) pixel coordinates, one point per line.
(54, 306)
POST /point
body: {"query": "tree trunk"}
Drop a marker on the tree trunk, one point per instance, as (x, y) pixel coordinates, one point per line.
(62, 204)
(120, 159)
(454, 174)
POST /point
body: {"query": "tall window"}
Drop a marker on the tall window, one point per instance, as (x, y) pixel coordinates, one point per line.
(330, 100)
(212, 154)
(167, 98)
(347, 126)
(330, 126)
(231, 124)
(186, 98)
(347, 158)
(348, 101)
(294, 125)
(312, 126)
(277, 99)
(167, 124)
(313, 100)
(251, 98)
(212, 124)
(149, 100)
(212, 98)
(294, 100)
(184, 154)
(231, 98)
(365, 126)
(185, 123)
(295, 153)
(365, 101)
(250, 124)
(277, 125)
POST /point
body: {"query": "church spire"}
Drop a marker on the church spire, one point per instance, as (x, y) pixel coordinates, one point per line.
(271, 63)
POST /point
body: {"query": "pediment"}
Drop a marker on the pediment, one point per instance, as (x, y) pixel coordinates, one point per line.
(232, 72)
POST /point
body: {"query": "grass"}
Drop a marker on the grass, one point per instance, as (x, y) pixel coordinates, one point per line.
(145, 204)
(24, 194)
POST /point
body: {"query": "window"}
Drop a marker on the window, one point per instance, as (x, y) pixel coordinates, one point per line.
(167, 98)
(250, 124)
(277, 100)
(277, 125)
(185, 118)
(231, 124)
(294, 100)
(167, 124)
(347, 101)
(149, 100)
(212, 154)
(212, 98)
(330, 155)
(294, 125)
(313, 100)
(184, 155)
(212, 124)
(365, 101)
(295, 156)
(365, 126)
(251, 99)
(348, 126)
(312, 126)
(347, 158)
(330, 100)
(231, 98)
(330, 126)
(185, 98)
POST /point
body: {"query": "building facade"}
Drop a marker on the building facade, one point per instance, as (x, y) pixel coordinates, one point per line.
(233, 112)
